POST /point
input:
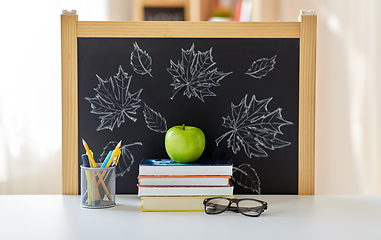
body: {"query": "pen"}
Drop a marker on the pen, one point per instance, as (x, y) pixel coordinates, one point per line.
(85, 160)
(86, 163)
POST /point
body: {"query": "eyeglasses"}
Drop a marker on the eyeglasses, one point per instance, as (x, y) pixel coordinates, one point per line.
(246, 206)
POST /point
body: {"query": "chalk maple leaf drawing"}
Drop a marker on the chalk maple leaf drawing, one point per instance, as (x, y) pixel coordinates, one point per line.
(113, 101)
(195, 73)
(254, 127)
(261, 67)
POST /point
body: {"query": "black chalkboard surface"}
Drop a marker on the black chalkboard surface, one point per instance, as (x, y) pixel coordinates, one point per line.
(243, 93)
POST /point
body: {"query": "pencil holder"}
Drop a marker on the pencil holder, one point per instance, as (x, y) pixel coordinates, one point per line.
(97, 187)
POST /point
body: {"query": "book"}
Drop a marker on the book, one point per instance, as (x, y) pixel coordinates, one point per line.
(161, 191)
(202, 167)
(173, 203)
(150, 181)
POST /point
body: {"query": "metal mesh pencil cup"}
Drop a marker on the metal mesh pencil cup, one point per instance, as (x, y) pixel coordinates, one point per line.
(98, 187)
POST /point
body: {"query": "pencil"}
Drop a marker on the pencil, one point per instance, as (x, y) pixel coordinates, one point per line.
(94, 165)
(114, 153)
(117, 160)
(91, 158)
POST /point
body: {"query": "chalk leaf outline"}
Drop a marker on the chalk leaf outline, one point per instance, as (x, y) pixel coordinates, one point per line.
(113, 101)
(154, 120)
(141, 61)
(196, 73)
(246, 176)
(254, 127)
(261, 67)
(126, 159)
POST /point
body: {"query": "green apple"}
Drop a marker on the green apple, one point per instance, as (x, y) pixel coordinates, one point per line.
(184, 143)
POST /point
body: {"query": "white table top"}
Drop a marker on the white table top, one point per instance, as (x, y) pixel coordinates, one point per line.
(288, 217)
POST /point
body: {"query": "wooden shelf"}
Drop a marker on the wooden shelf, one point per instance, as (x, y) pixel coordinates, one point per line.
(202, 10)
(194, 10)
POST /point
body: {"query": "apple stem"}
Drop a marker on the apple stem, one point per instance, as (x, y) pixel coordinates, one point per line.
(183, 126)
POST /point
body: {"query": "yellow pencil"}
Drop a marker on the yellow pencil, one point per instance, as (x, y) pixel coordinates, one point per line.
(88, 152)
(117, 160)
(94, 165)
(114, 153)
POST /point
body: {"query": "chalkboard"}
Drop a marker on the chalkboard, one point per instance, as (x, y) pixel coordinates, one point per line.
(164, 14)
(243, 93)
(254, 96)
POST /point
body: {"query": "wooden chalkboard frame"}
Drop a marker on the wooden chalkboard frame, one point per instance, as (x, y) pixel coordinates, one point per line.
(305, 30)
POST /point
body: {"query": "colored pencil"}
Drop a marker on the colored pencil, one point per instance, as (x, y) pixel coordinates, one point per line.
(117, 160)
(114, 153)
(94, 165)
(90, 156)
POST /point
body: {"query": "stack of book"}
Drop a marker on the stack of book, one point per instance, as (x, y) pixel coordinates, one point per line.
(164, 185)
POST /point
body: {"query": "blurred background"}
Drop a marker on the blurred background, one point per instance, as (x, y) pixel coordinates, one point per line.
(348, 97)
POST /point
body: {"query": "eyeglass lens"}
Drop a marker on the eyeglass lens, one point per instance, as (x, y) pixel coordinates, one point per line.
(250, 207)
(216, 205)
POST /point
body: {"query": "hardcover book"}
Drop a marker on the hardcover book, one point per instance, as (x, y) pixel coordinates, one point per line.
(202, 167)
(150, 181)
(161, 191)
(173, 203)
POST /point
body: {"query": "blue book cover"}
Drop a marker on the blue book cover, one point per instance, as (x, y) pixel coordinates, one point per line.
(199, 167)
(199, 162)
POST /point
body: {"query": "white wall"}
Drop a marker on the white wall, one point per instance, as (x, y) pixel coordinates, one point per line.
(348, 136)
(30, 92)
